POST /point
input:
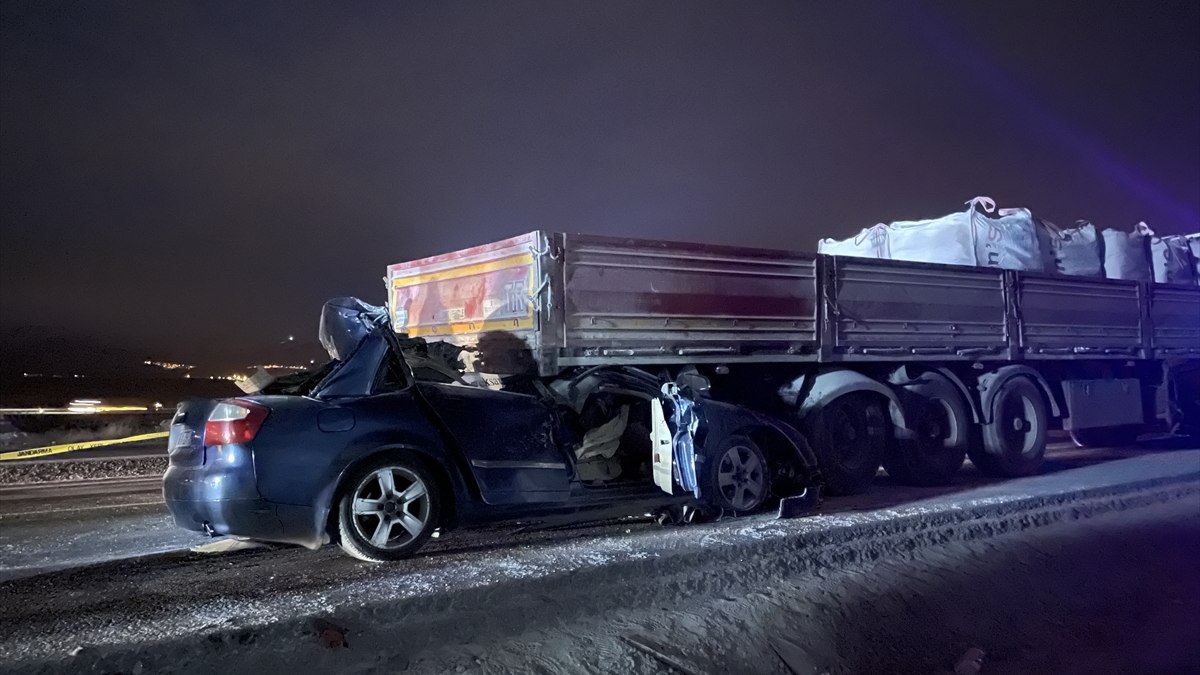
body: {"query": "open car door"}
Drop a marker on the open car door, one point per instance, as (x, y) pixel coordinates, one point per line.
(660, 442)
(672, 440)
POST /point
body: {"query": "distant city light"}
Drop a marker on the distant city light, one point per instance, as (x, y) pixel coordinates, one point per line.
(168, 365)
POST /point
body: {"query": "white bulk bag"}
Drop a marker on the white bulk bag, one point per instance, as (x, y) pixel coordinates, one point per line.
(949, 240)
(969, 237)
(1171, 260)
(1194, 246)
(945, 240)
(1127, 254)
(1009, 242)
(870, 243)
(1076, 250)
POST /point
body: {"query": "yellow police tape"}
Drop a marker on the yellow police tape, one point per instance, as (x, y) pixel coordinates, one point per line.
(71, 447)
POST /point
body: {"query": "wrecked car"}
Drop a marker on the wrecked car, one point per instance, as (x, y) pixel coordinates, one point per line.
(392, 441)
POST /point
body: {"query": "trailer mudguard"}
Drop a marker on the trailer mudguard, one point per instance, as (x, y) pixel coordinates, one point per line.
(905, 372)
(991, 383)
(811, 391)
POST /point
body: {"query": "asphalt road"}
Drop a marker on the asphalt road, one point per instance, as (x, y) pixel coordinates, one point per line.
(499, 599)
(31, 499)
(65, 524)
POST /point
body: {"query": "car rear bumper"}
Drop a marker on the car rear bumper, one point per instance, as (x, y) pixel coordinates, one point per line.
(222, 498)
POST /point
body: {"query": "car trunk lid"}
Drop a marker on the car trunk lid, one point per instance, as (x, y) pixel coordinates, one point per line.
(185, 445)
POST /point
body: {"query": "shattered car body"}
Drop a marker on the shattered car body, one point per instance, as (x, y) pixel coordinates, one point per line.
(392, 440)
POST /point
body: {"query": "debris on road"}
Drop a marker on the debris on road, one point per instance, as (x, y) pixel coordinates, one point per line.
(331, 635)
(970, 663)
(664, 653)
(229, 545)
(797, 659)
(802, 504)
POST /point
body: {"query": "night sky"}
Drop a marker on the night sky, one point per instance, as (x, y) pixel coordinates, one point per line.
(190, 181)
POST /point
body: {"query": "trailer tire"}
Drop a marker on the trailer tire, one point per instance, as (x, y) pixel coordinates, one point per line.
(850, 437)
(1103, 437)
(1014, 441)
(940, 424)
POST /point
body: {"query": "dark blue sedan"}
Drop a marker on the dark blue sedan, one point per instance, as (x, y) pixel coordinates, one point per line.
(391, 441)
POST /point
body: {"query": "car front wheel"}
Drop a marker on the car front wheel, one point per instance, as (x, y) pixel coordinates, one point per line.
(390, 507)
(738, 477)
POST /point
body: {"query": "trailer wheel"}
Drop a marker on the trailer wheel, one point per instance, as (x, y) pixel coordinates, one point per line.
(850, 437)
(941, 429)
(1106, 437)
(1014, 442)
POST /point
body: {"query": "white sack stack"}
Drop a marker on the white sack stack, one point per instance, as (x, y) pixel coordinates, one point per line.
(1127, 254)
(968, 237)
(1172, 260)
(1194, 246)
(1075, 251)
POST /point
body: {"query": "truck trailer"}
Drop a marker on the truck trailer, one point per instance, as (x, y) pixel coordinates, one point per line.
(909, 366)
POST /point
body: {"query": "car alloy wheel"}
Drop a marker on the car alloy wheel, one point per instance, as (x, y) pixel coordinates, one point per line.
(738, 477)
(741, 478)
(390, 507)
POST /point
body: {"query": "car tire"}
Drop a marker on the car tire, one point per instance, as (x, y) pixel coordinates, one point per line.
(940, 424)
(387, 509)
(738, 477)
(1014, 442)
(850, 436)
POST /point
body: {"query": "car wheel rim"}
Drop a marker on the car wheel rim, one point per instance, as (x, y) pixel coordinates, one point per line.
(740, 478)
(390, 507)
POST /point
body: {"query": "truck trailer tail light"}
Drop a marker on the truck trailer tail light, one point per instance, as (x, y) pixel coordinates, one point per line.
(234, 421)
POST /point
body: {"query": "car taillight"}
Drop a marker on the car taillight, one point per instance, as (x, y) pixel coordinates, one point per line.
(234, 421)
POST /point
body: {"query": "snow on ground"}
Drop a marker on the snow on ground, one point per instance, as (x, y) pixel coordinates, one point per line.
(623, 598)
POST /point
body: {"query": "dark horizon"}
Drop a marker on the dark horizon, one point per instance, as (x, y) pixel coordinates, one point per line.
(191, 181)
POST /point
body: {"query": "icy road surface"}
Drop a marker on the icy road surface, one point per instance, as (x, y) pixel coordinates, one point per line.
(630, 597)
(58, 525)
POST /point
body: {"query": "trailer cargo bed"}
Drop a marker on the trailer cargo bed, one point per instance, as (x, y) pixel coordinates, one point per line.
(579, 300)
